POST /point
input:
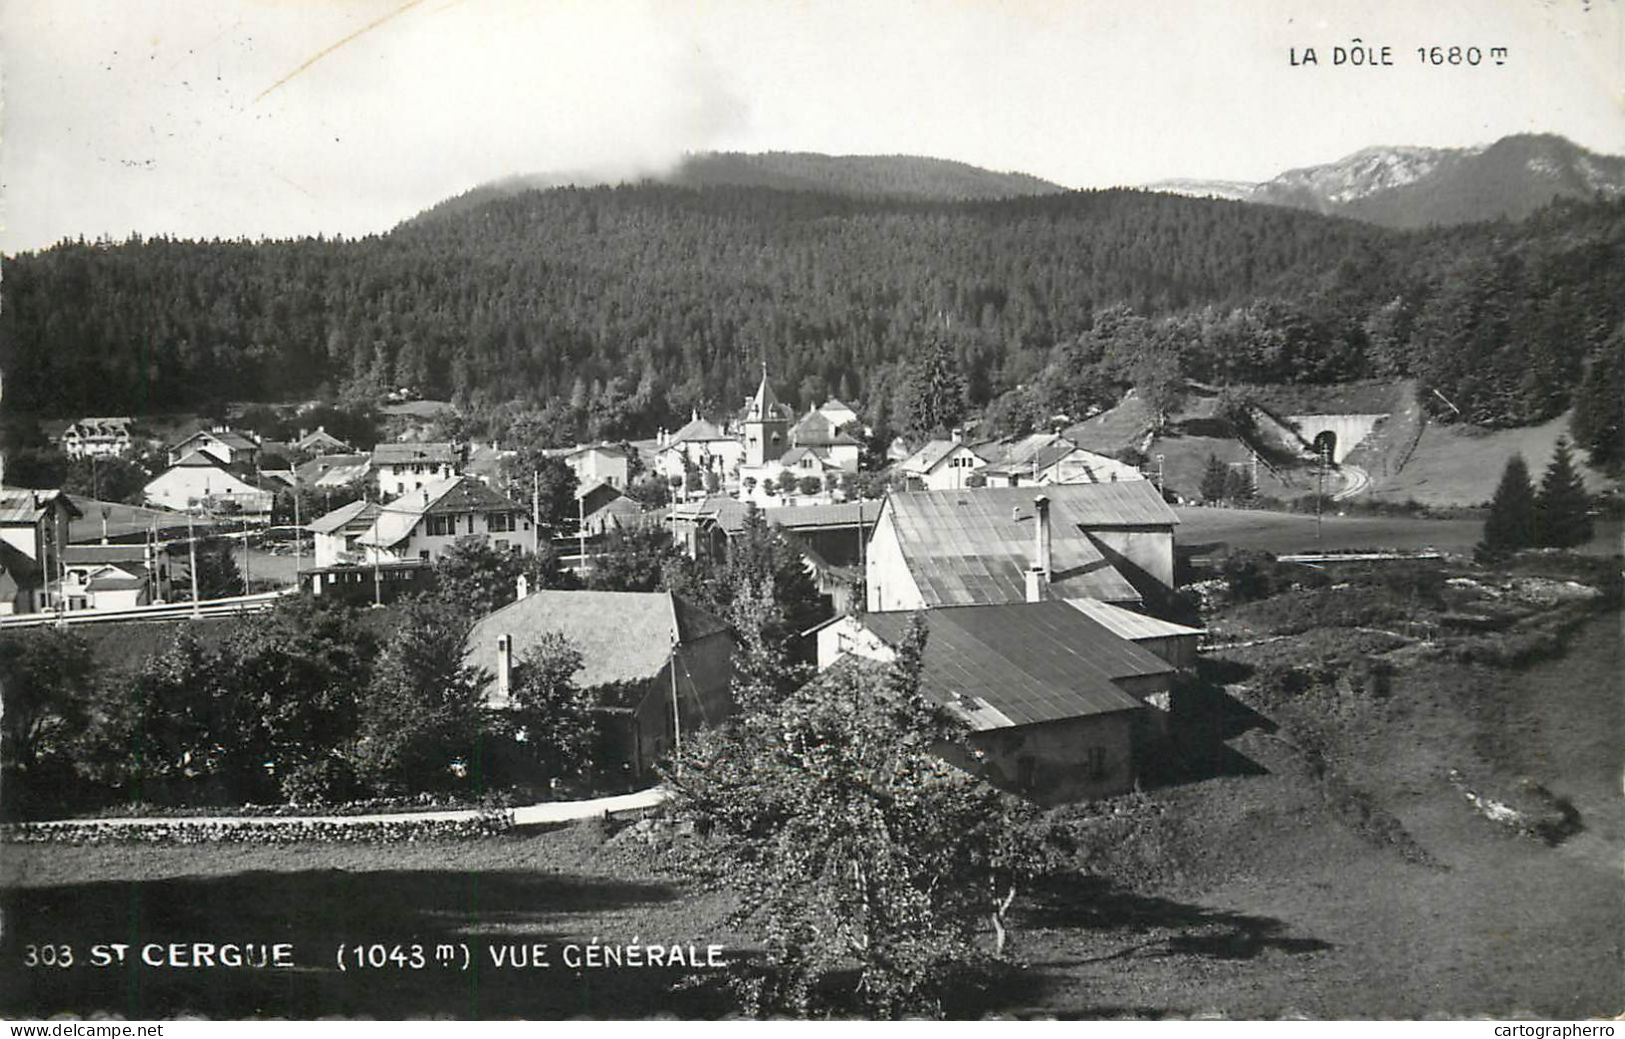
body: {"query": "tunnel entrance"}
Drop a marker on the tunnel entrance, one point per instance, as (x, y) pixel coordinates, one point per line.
(1325, 445)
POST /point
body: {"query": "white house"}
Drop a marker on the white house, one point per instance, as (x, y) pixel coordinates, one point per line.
(942, 465)
(402, 467)
(829, 441)
(97, 438)
(700, 446)
(1049, 458)
(1102, 541)
(424, 523)
(839, 415)
(337, 531)
(598, 463)
(198, 482)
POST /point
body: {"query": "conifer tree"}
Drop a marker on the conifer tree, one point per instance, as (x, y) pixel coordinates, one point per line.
(1215, 479)
(1562, 518)
(1511, 522)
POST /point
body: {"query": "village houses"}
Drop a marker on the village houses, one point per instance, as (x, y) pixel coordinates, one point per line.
(423, 523)
(98, 438)
(402, 467)
(34, 526)
(200, 482)
(226, 446)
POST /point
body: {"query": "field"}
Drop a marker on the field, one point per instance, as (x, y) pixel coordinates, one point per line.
(1320, 864)
(1286, 532)
(1457, 465)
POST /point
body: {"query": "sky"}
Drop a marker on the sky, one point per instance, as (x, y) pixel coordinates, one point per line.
(277, 118)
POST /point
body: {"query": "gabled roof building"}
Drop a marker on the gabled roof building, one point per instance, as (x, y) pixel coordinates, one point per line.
(423, 523)
(1000, 545)
(1056, 703)
(658, 666)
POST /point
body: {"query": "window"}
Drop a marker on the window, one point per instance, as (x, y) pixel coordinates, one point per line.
(442, 526)
(1095, 762)
(424, 555)
(497, 522)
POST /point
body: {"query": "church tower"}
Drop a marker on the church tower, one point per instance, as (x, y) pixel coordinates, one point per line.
(767, 426)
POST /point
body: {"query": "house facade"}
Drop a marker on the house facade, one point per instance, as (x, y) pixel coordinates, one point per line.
(423, 524)
(1049, 458)
(200, 483)
(599, 463)
(225, 445)
(399, 468)
(700, 446)
(657, 666)
(98, 438)
(941, 465)
(34, 528)
(336, 532)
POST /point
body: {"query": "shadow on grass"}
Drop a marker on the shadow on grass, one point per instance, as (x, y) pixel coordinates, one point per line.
(319, 911)
(1171, 928)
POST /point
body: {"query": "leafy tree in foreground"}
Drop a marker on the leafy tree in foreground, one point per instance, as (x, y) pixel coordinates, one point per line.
(217, 572)
(295, 676)
(476, 577)
(45, 676)
(421, 711)
(1511, 522)
(1562, 508)
(554, 713)
(870, 868)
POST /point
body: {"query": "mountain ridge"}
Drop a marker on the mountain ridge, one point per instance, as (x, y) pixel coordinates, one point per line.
(1409, 186)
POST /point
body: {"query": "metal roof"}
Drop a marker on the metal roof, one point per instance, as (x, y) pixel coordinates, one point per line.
(1022, 663)
(1127, 623)
(842, 514)
(359, 511)
(26, 505)
(975, 545)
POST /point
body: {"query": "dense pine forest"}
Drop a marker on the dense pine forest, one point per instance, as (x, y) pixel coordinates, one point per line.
(624, 307)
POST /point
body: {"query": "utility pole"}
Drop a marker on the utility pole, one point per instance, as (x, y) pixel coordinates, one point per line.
(581, 532)
(298, 531)
(191, 547)
(247, 588)
(1320, 492)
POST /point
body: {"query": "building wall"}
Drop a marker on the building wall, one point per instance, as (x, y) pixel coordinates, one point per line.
(1149, 548)
(592, 466)
(184, 488)
(889, 584)
(848, 635)
(396, 480)
(1075, 759)
(952, 471)
(467, 524)
(704, 670)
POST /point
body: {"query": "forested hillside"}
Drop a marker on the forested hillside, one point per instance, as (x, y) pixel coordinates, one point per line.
(622, 308)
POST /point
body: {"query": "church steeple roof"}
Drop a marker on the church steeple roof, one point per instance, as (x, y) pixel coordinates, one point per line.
(764, 406)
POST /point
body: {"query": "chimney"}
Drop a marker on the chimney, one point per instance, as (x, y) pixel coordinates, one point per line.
(1037, 584)
(505, 668)
(523, 586)
(1041, 539)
